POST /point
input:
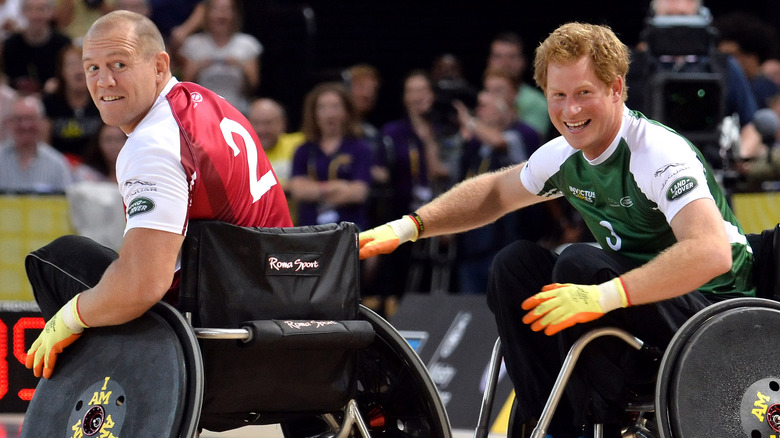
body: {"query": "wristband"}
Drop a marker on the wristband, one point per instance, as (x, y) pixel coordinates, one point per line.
(418, 223)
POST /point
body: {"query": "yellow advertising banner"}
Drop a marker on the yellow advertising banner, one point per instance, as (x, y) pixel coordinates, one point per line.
(757, 211)
(27, 222)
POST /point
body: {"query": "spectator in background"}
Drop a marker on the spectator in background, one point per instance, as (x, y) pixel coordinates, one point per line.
(507, 53)
(94, 203)
(11, 18)
(269, 120)
(751, 42)
(363, 83)
(494, 138)
(99, 164)
(74, 119)
(221, 57)
(27, 163)
(73, 17)
(331, 170)
(771, 69)
(7, 98)
(143, 7)
(30, 55)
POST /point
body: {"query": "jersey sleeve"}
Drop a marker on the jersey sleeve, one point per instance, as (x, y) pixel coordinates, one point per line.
(538, 174)
(672, 175)
(152, 180)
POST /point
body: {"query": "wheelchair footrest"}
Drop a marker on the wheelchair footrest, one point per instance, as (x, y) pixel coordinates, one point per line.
(310, 334)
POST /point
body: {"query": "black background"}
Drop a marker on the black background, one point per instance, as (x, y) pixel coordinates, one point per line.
(401, 35)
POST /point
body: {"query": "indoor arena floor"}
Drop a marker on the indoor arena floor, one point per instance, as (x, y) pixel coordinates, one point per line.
(11, 424)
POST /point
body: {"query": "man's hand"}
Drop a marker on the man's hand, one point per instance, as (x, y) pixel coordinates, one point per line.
(384, 239)
(60, 331)
(560, 306)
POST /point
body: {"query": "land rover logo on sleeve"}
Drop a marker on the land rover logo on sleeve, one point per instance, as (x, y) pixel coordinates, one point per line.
(680, 187)
(293, 264)
(140, 205)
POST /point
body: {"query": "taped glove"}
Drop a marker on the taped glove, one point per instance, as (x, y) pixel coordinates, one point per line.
(384, 239)
(60, 331)
(560, 306)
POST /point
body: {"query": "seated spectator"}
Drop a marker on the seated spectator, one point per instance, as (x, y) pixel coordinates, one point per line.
(494, 138)
(749, 40)
(11, 18)
(99, 164)
(331, 170)
(94, 203)
(507, 53)
(73, 17)
(74, 118)
(221, 57)
(27, 163)
(363, 83)
(269, 119)
(7, 98)
(30, 55)
(143, 7)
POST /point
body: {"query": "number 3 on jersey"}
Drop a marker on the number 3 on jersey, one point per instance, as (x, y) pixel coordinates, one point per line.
(258, 187)
(614, 241)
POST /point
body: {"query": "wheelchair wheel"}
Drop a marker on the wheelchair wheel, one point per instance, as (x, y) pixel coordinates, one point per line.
(142, 378)
(395, 394)
(719, 375)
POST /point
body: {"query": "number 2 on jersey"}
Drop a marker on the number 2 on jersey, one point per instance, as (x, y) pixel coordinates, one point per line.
(258, 187)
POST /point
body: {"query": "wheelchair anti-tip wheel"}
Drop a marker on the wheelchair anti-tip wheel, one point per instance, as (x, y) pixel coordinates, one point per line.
(720, 375)
(396, 395)
(148, 368)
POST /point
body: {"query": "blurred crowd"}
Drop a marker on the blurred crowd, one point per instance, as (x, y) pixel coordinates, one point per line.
(341, 163)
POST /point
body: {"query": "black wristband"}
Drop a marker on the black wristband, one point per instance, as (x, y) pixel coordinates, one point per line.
(418, 221)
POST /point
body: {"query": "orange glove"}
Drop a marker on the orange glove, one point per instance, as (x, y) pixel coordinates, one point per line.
(384, 239)
(60, 331)
(560, 306)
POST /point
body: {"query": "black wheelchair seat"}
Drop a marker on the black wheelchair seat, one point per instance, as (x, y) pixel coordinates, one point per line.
(268, 330)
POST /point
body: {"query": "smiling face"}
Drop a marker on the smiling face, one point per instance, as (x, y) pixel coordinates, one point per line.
(585, 110)
(123, 79)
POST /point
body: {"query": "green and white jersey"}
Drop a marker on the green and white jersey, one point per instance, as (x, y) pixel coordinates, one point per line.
(630, 193)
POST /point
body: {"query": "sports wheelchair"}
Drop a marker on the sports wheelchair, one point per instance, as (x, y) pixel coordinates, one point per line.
(719, 376)
(279, 337)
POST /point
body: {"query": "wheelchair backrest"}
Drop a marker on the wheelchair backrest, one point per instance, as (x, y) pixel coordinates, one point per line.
(232, 274)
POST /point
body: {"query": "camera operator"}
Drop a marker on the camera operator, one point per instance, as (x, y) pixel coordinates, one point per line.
(678, 77)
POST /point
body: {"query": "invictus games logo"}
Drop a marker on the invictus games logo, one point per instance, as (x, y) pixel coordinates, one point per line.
(586, 195)
(680, 187)
(293, 264)
(140, 205)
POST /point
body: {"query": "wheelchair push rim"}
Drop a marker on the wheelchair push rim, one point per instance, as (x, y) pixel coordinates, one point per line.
(719, 375)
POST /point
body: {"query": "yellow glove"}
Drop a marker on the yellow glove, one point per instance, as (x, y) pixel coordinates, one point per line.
(60, 331)
(560, 306)
(384, 239)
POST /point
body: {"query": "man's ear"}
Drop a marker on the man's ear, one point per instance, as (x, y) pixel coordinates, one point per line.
(162, 65)
(617, 88)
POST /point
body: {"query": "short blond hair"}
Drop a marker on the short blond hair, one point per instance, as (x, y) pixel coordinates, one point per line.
(148, 34)
(572, 41)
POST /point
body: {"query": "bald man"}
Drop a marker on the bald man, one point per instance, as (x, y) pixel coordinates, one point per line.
(269, 120)
(189, 155)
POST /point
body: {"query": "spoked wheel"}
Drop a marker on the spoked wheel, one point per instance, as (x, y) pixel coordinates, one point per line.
(395, 394)
(719, 375)
(142, 378)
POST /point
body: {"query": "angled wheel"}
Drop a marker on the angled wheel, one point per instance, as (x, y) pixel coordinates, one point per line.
(142, 378)
(719, 375)
(395, 394)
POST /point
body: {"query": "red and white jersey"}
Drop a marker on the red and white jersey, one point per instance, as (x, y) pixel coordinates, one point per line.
(194, 156)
